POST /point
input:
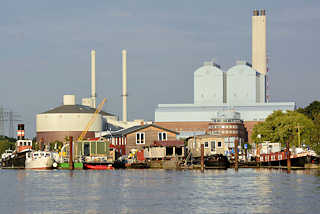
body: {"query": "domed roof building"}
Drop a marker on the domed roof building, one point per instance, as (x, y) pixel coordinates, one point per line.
(69, 119)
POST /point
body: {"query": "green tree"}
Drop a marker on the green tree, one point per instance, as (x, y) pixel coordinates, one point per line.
(285, 126)
(311, 110)
(6, 143)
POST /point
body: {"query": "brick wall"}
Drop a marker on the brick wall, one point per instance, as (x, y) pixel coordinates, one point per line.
(151, 135)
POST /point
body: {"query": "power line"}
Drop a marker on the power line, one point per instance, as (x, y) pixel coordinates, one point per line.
(9, 117)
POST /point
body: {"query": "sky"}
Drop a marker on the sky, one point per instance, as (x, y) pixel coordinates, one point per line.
(45, 50)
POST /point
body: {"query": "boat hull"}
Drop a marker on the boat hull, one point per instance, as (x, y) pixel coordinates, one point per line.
(43, 163)
(217, 162)
(66, 165)
(98, 166)
(15, 162)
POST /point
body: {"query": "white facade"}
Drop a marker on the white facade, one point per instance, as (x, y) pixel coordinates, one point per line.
(208, 84)
(196, 112)
(241, 84)
(67, 122)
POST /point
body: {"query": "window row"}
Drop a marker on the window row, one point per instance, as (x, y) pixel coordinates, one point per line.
(140, 137)
(223, 126)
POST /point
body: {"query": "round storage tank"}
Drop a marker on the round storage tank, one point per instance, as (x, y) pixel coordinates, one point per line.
(66, 120)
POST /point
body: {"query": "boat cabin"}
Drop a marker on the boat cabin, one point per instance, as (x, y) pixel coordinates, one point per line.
(96, 149)
(212, 145)
(38, 154)
(22, 145)
(164, 150)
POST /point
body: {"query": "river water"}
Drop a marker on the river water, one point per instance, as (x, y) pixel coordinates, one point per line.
(159, 191)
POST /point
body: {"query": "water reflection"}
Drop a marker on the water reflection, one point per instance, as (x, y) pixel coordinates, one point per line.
(159, 191)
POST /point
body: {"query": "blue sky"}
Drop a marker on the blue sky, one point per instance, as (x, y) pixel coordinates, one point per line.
(45, 50)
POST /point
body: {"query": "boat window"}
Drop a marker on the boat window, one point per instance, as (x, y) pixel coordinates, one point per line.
(35, 154)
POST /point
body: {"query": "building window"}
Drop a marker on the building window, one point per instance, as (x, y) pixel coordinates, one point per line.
(219, 144)
(213, 145)
(206, 145)
(140, 138)
(162, 136)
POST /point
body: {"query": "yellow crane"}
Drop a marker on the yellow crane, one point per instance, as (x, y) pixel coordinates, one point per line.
(93, 118)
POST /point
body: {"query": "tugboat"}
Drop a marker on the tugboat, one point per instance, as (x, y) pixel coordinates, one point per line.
(17, 158)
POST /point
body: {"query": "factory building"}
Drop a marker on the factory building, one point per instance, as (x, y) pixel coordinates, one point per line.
(241, 89)
(69, 119)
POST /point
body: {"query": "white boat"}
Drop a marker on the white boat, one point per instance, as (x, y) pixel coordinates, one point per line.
(6, 154)
(39, 160)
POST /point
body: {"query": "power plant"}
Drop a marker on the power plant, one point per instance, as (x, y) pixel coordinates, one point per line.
(241, 89)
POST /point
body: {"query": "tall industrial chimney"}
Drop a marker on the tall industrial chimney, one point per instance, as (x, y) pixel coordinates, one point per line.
(124, 85)
(259, 41)
(259, 52)
(93, 78)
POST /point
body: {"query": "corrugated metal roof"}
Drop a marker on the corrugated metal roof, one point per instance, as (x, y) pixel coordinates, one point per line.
(124, 132)
(75, 109)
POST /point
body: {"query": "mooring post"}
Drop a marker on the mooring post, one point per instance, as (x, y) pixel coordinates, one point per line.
(70, 153)
(288, 157)
(236, 166)
(202, 157)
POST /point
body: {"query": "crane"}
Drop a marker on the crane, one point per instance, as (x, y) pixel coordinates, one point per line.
(93, 118)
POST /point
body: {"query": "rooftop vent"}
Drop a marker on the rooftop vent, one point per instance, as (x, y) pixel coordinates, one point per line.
(241, 62)
(69, 99)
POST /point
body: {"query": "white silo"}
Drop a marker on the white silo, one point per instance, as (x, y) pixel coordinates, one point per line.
(208, 84)
(68, 119)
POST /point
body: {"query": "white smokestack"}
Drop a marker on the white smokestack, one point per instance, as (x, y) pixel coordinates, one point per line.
(259, 52)
(93, 78)
(259, 41)
(124, 85)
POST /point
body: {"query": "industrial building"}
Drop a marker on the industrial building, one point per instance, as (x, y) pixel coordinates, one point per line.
(241, 89)
(71, 119)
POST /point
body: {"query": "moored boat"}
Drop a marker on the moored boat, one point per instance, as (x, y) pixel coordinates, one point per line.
(97, 166)
(16, 160)
(217, 161)
(39, 160)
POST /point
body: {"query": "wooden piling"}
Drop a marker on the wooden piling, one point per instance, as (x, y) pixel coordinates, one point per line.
(236, 166)
(288, 156)
(202, 157)
(70, 153)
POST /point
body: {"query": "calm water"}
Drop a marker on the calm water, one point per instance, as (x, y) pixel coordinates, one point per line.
(159, 191)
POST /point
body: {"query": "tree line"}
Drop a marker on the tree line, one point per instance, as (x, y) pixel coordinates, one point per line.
(300, 127)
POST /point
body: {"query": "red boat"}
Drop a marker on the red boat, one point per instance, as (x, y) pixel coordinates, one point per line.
(97, 166)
